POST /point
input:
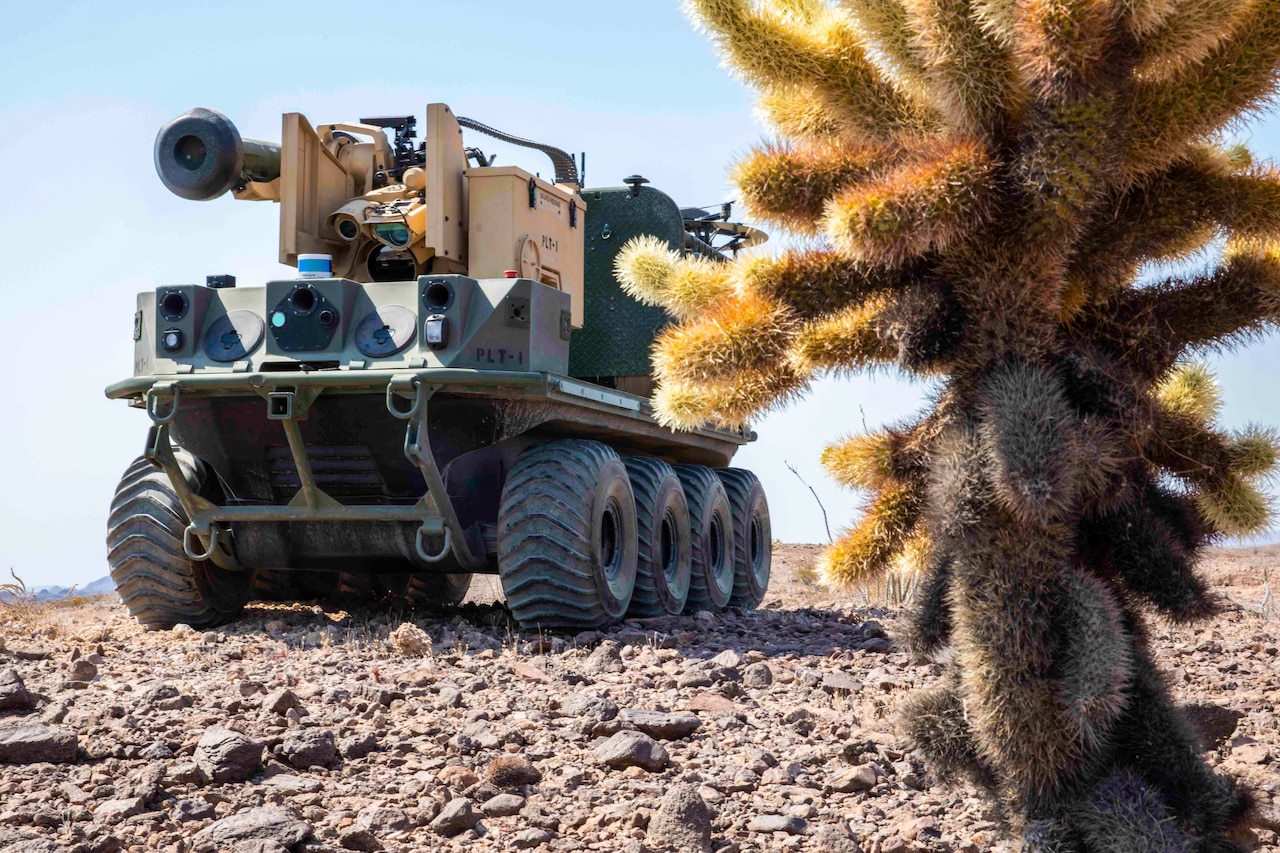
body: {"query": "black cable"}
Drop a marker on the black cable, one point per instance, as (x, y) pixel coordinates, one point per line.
(566, 167)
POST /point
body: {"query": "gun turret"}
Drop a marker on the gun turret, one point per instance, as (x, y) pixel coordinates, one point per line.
(388, 209)
(200, 155)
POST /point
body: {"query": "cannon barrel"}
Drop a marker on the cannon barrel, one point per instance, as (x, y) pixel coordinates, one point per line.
(200, 155)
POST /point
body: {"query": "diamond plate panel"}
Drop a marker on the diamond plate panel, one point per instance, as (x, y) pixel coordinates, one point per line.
(617, 330)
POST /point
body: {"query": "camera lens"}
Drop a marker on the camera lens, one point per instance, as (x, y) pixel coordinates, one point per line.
(303, 299)
(393, 234)
(172, 339)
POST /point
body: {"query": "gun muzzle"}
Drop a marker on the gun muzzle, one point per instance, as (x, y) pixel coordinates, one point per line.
(200, 155)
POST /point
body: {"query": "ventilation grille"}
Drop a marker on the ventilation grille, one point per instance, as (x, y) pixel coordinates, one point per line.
(340, 471)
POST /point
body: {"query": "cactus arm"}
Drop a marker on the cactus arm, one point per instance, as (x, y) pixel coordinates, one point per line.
(921, 207)
(1237, 76)
(731, 336)
(970, 73)
(863, 554)
(789, 184)
(817, 282)
(770, 50)
(1238, 301)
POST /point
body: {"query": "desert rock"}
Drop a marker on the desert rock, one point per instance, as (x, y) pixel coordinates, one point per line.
(778, 823)
(530, 838)
(456, 817)
(503, 805)
(683, 821)
(590, 705)
(269, 823)
(14, 696)
(280, 701)
(226, 756)
(757, 675)
(632, 749)
(411, 641)
(306, 748)
(661, 725)
(29, 744)
(114, 811)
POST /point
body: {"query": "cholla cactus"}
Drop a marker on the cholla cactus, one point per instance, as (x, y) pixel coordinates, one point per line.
(980, 183)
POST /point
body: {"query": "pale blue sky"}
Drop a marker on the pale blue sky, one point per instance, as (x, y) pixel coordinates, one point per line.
(86, 224)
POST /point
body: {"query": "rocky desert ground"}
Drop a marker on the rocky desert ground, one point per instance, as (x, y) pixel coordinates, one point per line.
(304, 727)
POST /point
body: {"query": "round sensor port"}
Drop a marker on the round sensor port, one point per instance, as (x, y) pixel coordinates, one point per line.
(438, 294)
(303, 299)
(174, 304)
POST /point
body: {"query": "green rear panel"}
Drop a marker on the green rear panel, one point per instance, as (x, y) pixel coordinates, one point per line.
(617, 330)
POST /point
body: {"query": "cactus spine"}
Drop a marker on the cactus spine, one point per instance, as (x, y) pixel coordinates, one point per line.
(980, 183)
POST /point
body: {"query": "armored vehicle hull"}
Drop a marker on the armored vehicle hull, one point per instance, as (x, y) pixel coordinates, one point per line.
(394, 436)
(343, 485)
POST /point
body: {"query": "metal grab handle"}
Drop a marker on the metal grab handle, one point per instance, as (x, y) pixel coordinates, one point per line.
(189, 538)
(153, 400)
(395, 410)
(445, 549)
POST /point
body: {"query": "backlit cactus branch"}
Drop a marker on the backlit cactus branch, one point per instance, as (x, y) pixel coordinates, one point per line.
(979, 184)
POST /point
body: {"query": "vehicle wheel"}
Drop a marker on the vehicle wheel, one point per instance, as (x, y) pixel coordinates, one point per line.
(567, 536)
(752, 536)
(711, 529)
(155, 579)
(664, 556)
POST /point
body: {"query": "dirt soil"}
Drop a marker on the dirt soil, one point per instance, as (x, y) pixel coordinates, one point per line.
(307, 728)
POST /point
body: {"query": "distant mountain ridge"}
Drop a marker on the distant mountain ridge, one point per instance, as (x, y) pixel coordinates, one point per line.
(102, 586)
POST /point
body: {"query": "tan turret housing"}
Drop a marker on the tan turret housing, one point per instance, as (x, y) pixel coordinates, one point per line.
(383, 210)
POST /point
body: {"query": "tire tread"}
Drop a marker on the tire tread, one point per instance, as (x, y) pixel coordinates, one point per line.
(700, 487)
(150, 569)
(544, 535)
(647, 477)
(738, 484)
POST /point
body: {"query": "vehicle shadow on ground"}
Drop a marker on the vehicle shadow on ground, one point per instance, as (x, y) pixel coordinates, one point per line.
(475, 627)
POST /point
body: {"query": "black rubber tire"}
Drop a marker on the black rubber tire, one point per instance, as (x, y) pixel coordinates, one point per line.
(752, 536)
(711, 526)
(158, 583)
(664, 553)
(567, 536)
